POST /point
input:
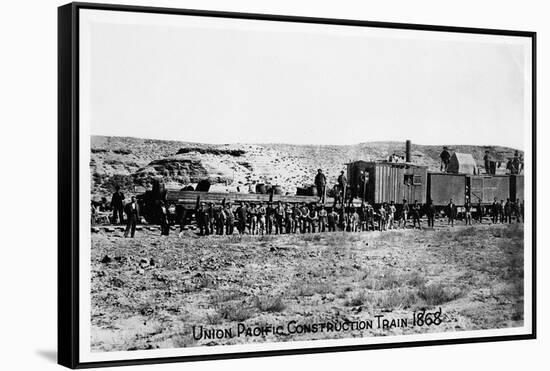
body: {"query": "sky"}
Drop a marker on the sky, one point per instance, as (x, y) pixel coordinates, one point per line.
(239, 81)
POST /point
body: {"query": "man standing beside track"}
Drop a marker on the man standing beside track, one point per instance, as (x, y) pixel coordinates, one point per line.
(229, 219)
(269, 218)
(479, 208)
(404, 213)
(451, 213)
(118, 205)
(132, 217)
(494, 211)
(468, 212)
(430, 213)
(261, 218)
(416, 210)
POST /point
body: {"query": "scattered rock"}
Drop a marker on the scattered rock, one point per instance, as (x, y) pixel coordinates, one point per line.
(106, 259)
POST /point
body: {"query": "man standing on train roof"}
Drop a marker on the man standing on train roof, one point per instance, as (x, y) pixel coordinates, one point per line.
(342, 185)
(487, 162)
(451, 213)
(321, 183)
(516, 163)
(118, 205)
(445, 158)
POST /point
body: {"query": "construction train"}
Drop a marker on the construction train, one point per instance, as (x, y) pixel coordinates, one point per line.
(377, 182)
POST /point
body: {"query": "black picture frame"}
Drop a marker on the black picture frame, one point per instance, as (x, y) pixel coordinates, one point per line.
(68, 180)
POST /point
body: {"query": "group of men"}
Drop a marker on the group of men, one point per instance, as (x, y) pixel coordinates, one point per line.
(505, 212)
(286, 218)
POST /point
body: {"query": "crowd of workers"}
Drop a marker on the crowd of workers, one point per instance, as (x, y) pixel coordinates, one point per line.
(285, 218)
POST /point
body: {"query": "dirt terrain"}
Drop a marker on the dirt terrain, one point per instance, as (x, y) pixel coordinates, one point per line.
(150, 291)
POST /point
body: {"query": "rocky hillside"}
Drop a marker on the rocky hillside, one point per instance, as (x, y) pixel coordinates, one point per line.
(133, 162)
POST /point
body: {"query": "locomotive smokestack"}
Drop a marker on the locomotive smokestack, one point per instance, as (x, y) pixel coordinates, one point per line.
(408, 150)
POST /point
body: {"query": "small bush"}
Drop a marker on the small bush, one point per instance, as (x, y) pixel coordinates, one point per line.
(356, 300)
(269, 304)
(314, 288)
(234, 312)
(436, 294)
(397, 299)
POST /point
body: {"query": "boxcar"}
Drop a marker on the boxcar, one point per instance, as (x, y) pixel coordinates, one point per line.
(444, 186)
(489, 187)
(387, 181)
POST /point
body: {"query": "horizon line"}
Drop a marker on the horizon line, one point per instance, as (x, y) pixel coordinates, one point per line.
(305, 144)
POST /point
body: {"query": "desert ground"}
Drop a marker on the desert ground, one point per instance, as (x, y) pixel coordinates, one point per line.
(149, 292)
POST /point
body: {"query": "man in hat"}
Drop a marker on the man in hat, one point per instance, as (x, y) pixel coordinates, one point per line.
(445, 158)
(332, 220)
(404, 213)
(320, 183)
(260, 214)
(279, 218)
(202, 220)
(269, 218)
(229, 219)
(451, 213)
(430, 212)
(468, 212)
(416, 211)
(323, 219)
(132, 217)
(219, 220)
(118, 205)
(487, 162)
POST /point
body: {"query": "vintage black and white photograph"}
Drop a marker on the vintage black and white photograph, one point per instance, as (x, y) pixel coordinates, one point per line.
(260, 185)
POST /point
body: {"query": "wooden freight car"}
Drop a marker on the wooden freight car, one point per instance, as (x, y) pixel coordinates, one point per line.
(488, 187)
(379, 182)
(442, 187)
